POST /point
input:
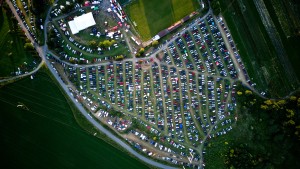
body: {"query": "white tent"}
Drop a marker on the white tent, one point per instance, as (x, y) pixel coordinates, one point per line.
(73, 27)
(81, 22)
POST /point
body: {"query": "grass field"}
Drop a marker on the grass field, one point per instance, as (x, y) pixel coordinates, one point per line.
(255, 47)
(156, 15)
(47, 135)
(41, 13)
(286, 28)
(122, 2)
(259, 132)
(83, 37)
(12, 52)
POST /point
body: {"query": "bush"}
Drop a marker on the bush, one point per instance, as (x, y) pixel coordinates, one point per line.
(28, 46)
(92, 44)
(155, 43)
(106, 43)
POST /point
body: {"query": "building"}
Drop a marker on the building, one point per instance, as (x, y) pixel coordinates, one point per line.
(81, 22)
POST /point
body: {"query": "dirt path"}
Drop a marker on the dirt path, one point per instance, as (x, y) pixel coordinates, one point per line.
(156, 153)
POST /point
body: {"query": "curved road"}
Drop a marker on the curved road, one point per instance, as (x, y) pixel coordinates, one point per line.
(38, 49)
(42, 52)
(130, 59)
(23, 75)
(87, 115)
(100, 127)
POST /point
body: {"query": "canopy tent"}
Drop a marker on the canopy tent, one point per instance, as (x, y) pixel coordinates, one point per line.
(81, 22)
(73, 27)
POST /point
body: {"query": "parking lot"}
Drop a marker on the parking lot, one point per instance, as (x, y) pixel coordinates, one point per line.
(182, 96)
(28, 19)
(76, 48)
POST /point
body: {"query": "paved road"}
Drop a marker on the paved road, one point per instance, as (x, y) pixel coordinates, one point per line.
(100, 127)
(86, 114)
(181, 33)
(80, 107)
(38, 49)
(153, 55)
(23, 75)
(43, 51)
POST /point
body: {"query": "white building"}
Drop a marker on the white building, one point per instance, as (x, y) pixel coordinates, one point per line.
(81, 22)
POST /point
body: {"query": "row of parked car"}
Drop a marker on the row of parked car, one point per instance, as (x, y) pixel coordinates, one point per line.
(201, 48)
(188, 95)
(29, 26)
(112, 83)
(236, 54)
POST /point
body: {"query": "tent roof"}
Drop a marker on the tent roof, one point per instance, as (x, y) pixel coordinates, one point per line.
(73, 27)
(82, 22)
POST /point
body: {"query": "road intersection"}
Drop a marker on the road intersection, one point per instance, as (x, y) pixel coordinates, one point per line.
(43, 51)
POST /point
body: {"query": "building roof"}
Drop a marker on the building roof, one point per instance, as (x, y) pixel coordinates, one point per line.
(81, 22)
(73, 27)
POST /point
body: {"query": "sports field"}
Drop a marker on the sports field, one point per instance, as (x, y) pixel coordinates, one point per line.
(153, 16)
(12, 52)
(47, 135)
(256, 48)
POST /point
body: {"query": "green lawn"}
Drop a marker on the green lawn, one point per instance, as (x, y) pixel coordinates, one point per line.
(12, 52)
(47, 135)
(83, 37)
(255, 47)
(156, 15)
(286, 29)
(121, 2)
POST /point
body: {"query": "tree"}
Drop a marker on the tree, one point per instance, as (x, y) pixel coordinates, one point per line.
(101, 45)
(142, 51)
(291, 122)
(72, 60)
(293, 98)
(264, 107)
(290, 113)
(92, 44)
(248, 92)
(281, 102)
(154, 43)
(112, 42)
(268, 102)
(137, 55)
(106, 43)
(119, 57)
(28, 46)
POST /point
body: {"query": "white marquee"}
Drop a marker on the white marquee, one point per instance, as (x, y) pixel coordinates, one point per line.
(81, 22)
